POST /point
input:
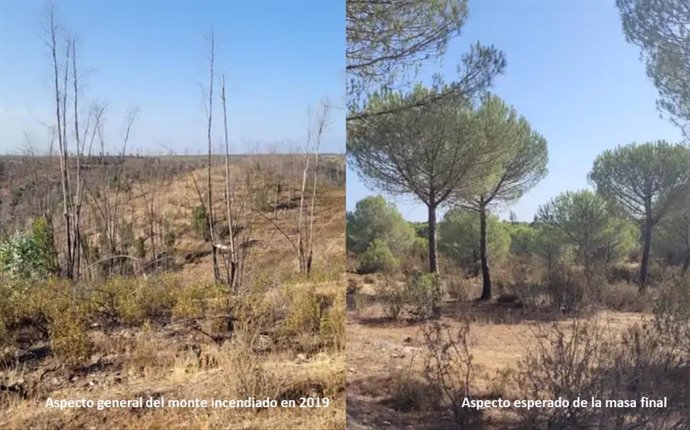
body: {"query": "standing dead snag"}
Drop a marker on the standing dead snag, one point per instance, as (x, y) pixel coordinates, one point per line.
(305, 256)
(71, 199)
(321, 126)
(62, 144)
(107, 211)
(216, 274)
(71, 202)
(95, 115)
(231, 266)
(300, 241)
(77, 242)
(77, 202)
(304, 242)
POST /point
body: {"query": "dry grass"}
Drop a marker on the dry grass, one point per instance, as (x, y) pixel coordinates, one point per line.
(169, 337)
(380, 353)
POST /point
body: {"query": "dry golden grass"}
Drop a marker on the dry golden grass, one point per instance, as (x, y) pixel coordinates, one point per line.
(171, 355)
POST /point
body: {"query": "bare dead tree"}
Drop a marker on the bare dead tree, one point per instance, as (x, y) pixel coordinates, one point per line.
(243, 217)
(77, 203)
(300, 237)
(229, 197)
(305, 238)
(62, 136)
(93, 123)
(216, 273)
(150, 216)
(322, 120)
(70, 202)
(109, 210)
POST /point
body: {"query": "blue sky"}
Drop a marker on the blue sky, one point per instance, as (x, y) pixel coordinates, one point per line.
(279, 57)
(572, 74)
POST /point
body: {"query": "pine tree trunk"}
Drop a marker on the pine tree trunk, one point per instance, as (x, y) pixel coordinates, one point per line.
(483, 255)
(433, 261)
(644, 266)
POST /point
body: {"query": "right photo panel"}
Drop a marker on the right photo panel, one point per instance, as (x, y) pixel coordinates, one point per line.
(518, 214)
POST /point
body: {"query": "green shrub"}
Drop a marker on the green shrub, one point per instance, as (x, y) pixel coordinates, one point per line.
(43, 236)
(377, 258)
(425, 295)
(21, 257)
(200, 222)
(69, 336)
(53, 310)
(133, 301)
(191, 301)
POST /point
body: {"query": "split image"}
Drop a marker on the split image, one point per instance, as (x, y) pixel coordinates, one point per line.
(348, 214)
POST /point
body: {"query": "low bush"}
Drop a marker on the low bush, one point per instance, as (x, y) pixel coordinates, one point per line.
(392, 296)
(333, 324)
(622, 273)
(410, 393)
(245, 374)
(53, 310)
(135, 300)
(25, 256)
(200, 222)
(69, 336)
(450, 368)
(622, 296)
(567, 289)
(191, 301)
(672, 316)
(252, 313)
(377, 258)
(583, 360)
(564, 364)
(304, 310)
(424, 292)
(459, 288)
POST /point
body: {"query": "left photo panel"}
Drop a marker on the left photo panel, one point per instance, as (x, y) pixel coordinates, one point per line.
(172, 214)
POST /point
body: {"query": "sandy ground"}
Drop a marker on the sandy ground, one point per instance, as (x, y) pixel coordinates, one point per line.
(377, 348)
